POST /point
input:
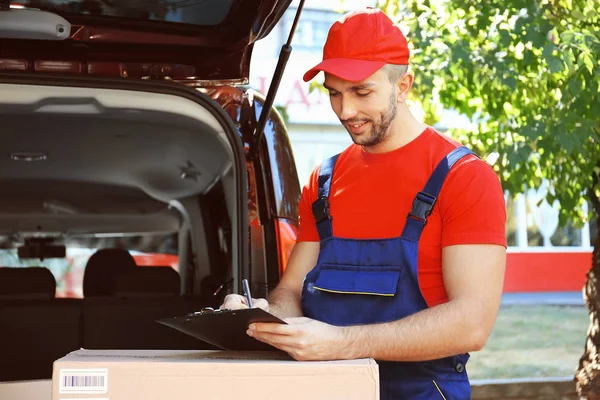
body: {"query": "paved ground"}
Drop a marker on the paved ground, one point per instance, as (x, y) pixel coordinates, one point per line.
(549, 298)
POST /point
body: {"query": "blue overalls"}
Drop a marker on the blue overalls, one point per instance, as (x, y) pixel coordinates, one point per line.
(370, 281)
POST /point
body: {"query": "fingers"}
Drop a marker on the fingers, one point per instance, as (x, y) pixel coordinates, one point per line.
(234, 302)
(293, 326)
(291, 344)
(271, 333)
(276, 340)
(238, 302)
(271, 338)
(273, 328)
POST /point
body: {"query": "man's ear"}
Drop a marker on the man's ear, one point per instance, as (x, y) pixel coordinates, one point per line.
(403, 86)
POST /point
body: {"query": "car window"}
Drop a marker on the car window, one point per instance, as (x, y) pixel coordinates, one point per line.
(146, 250)
(196, 12)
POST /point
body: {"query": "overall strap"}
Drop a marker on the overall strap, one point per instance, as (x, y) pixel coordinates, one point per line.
(320, 207)
(426, 199)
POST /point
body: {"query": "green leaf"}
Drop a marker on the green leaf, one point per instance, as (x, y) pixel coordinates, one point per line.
(529, 58)
(555, 64)
(505, 39)
(539, 112)
(587, 62)
(569, 58)
(530, 133)
(567, 37)
(316, 85)
(537, 38)
(511, 82)
(548, 50)
(553, 36)
(575, 86)
(578, 15)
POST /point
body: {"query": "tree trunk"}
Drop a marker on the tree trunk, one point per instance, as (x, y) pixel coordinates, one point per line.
(587, 377)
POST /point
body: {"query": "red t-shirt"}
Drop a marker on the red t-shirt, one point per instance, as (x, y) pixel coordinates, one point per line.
(371, 195)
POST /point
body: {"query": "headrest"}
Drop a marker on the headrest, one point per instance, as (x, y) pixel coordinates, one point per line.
(102, 270)
(26, 283)
(148, 281)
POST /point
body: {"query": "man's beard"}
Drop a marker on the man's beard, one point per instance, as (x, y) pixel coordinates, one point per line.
(380, 129)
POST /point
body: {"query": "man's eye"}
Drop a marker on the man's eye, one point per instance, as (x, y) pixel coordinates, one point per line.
(333, 94)
(363, 94)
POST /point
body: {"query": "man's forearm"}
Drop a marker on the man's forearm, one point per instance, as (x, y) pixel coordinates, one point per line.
(437, 332)
(284, 303)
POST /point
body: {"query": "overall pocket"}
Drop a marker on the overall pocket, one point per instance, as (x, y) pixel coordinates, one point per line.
(343, 281)
(347, 295)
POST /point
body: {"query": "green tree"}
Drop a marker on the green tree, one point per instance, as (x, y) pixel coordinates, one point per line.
(526, 73)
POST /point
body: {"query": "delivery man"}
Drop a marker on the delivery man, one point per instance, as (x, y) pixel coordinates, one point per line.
(402, 247)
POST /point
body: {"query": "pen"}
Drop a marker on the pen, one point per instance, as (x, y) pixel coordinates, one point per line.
(247, 292)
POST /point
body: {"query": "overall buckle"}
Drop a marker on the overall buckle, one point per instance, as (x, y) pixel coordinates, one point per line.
(320, 209)
(422, 206)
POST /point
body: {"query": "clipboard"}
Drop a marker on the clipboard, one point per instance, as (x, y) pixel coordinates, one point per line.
(225, 329)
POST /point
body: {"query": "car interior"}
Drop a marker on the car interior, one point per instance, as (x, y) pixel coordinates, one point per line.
(118, 172)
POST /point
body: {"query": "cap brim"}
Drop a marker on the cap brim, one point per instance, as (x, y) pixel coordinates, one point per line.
(345, 68)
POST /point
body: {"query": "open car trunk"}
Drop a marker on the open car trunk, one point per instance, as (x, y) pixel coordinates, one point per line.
(100, 164)
(108, 162)
(189, 41)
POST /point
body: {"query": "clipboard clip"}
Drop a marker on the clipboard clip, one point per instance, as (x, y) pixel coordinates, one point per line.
(209, 310)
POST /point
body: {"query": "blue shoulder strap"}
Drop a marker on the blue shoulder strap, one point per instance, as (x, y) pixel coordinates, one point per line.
(426, 199)
(320, 207)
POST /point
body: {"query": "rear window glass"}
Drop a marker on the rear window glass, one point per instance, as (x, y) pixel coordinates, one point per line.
(68, 272)
(195, 12)
(147, 251)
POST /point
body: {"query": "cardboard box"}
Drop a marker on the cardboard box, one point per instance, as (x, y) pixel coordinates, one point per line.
(208, 375)
(26, 390)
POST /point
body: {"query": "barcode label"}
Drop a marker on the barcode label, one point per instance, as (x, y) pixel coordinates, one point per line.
(83, 381)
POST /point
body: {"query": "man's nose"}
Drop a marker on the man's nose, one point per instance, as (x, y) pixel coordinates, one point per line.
(347, 109)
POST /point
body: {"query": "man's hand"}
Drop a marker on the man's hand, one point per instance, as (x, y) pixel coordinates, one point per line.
(303, 338)
(237, 302)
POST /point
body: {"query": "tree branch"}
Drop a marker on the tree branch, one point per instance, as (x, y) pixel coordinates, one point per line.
(592, 191)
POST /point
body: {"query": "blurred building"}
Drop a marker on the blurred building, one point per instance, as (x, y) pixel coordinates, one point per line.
(315, 131)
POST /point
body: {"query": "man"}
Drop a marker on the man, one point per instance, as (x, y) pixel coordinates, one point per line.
(401, 250)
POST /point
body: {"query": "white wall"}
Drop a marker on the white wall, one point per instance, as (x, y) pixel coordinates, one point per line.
(312, 144)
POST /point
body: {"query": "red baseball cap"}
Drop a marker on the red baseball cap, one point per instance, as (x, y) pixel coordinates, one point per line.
(359, 44)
